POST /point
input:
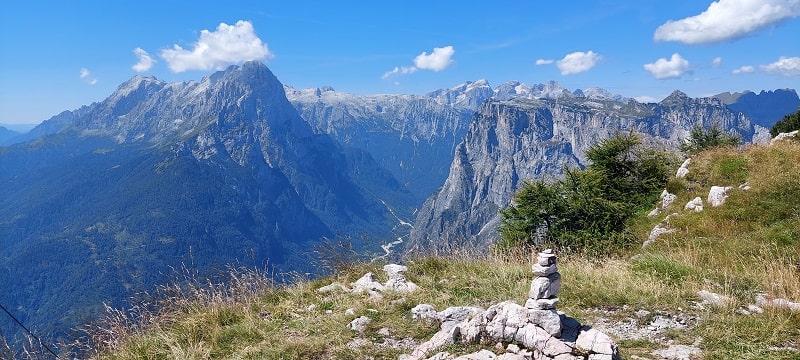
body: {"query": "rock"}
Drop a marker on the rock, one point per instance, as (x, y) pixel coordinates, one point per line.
(397, 280)
(540, 270)
(384, 331)
(368, 284)
(714, 299)
(359, 324)
(755, 309)
(357, 343)
(718, 194)
(782, 136)
(592, 340)
(333, 287)
(696, 204)
(745, 186)
(641, 313)
(350, 311)
(480, 355)
(678, 352)
(541, 304)
(426, 313)
(457, 314)
(667, 199)
(655, 233)
(440, 356)
(549, 320)
(513, 348)
(441, 338)
(684, 169)
(763, 301)
(311, 307)
(654, 212)
(544, 287)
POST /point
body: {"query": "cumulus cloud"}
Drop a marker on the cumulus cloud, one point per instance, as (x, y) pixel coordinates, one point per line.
(438, 60)
(673, 68)
(86, 76)
(786, 66)
(578, 62)
(227, 45)
(544, 61)
(717, 62)
(145, 60)
(726, 20)
(743, 70)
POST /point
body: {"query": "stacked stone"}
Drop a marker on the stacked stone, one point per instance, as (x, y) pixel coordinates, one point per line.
(543, 295)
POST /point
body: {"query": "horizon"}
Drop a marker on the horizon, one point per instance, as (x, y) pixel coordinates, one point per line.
(644, 50)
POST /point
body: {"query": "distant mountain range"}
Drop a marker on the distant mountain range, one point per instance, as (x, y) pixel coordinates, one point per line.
(103, 201)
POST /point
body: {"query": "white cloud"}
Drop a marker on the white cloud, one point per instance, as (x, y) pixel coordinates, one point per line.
(229, 44)
(85, 75)
(399, 70)
(786, 66)
(438, 60)
(544, 61)
(726, 20)
(673, 68)
(645, 99)
(145, 61)
(717, 62)
(578, 62)
(743, 70)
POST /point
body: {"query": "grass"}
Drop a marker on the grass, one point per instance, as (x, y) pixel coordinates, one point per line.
(745, 247)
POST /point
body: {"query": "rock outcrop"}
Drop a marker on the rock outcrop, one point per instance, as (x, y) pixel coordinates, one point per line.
(510, 141)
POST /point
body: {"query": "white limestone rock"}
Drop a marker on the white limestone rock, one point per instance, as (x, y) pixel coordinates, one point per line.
(359, 324)
(718, 194)
(667, 199)
(368, 284)
(684, 169)
(695, 204)
(544, 287)
(595, 341)
(426, 313)
(714, 299)
(549, 320)
(782, 136)
(655, 233)
(764, 301)
(397, 279)
(335, 286)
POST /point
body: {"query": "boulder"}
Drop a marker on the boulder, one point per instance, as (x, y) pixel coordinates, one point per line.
(397, 279)
(714, 299)
(696, 204)
(718, 194)
(684, 169)
(359, 324)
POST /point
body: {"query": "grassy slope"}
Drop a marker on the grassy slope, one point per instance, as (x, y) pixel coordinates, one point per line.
(747, 246)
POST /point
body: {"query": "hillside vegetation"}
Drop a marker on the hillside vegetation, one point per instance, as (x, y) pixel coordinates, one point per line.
(746, 247)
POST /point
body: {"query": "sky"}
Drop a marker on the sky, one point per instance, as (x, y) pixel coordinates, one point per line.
(60, 55)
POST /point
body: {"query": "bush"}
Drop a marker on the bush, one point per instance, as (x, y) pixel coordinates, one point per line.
(789, 123)
(712, 137)
(587, 211)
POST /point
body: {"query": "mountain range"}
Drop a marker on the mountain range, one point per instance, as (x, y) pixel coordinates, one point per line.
(105, 201)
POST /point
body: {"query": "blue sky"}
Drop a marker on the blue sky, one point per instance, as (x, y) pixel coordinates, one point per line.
(57, 56)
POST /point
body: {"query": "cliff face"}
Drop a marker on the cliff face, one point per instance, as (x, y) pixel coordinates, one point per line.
(411, 136)
(510, 141)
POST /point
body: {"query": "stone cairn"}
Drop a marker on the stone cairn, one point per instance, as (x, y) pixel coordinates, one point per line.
(546, 285)
(543, 296)
(533, 331)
